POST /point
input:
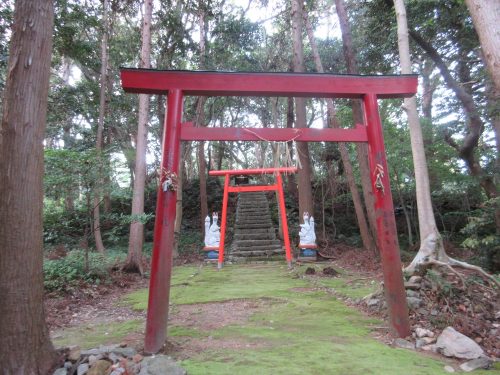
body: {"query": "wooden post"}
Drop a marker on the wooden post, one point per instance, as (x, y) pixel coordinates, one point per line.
(386, 224)
(163, 242)
(284, 221)
(223, 222)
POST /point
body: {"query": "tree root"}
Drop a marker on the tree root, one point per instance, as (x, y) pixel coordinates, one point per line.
(458, 263)
(450, 263)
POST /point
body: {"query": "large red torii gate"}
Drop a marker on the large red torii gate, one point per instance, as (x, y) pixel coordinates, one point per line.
(178, 84)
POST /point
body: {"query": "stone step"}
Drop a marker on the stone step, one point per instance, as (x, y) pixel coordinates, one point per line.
(257, 247)
(254, 236)
(255, 219)
(243, 225)
(243, 231)
(252, 212)
(252, 226)
(252, 207)
(250, 243)
(258, 253)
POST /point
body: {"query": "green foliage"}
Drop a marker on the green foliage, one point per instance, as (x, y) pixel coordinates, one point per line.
(65, 274)
(482, 236)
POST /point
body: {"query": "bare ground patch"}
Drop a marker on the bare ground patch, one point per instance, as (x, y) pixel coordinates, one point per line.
(215, 315)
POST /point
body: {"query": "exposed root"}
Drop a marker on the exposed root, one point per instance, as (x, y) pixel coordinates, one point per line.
(447, 265)
(458, 263)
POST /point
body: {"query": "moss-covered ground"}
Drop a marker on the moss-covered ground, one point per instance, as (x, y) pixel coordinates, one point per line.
(303, 331)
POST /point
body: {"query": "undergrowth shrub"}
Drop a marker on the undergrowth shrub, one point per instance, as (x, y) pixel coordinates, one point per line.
(61, 275)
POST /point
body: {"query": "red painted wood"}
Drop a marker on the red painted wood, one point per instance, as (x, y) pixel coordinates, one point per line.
(224, 220)
(242, 189)
(190, 133)
(232, 172)
(386, 224)
(161, 262)
(150, 81)
(284, 221)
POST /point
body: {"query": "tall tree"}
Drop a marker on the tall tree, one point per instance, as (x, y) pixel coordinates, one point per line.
(200, 120)
(305, 172)
(100, 125)
(136, 238)
(366, 237)
(357, 113)
(24, 337)
(431, 244)
(486, 18)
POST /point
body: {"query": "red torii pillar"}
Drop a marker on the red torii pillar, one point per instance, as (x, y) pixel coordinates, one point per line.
(179, 83)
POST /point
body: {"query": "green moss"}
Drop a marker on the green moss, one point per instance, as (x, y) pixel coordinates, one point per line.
(175, 331)
(297, 332)
(93, 335)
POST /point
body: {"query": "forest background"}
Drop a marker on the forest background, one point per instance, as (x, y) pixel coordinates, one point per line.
(93, 141)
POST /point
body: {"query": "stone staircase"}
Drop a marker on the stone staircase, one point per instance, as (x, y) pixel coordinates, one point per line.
(254, 233)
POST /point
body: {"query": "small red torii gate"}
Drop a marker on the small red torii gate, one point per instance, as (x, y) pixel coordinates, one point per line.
(277, 186)
(177, 84)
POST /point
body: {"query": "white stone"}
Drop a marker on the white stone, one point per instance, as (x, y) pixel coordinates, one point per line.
(212, 232)
(307, 234)
(82, 369)
(449, 369)
(482, 362)
(405, 344)
(422, 332)
(454, 344)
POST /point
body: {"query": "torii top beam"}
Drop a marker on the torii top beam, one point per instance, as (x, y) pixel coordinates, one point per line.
(151, 81)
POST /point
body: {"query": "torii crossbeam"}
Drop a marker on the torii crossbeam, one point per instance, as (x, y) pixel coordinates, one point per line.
(177, 84)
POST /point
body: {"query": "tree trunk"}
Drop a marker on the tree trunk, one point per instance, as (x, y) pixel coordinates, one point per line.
(200, 121)
(291, 182)
(178, 203)
(24, 337)
(136, 237)
(100, 127)
(431, 244)
(475, 125)
(486, 18)
(357, 113)
(366, 237)
(305, 173)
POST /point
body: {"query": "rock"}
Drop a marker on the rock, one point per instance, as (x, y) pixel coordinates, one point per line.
(99, 368)
(91, 352)
(372, 302)
(125, 352)
(481, 362)
(61, 371)
(114, 357)
(310, 271)
(93, 359)
(160, 365)
(413, 302)
(415, 279)
(412, 293)
(449, 369)
(68, 365)
(424, 341)
(137, 358)
(82, 369)
(405, 344)
(74, 353)
(430, 348)
(453, 344)
(422, 332)
(413, 286)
